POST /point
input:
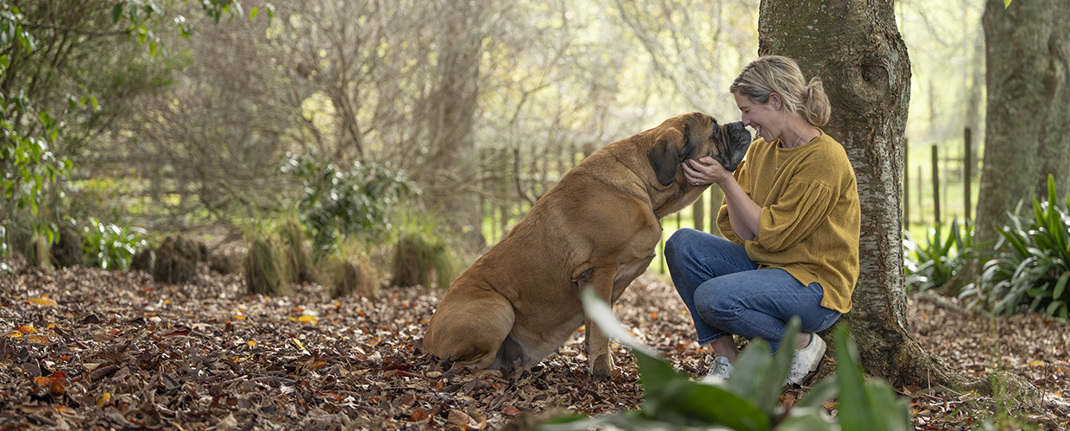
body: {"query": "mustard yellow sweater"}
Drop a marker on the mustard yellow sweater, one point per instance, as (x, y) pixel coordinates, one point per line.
(809, 223)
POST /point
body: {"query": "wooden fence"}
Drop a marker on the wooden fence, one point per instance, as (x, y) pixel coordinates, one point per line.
(944, 189)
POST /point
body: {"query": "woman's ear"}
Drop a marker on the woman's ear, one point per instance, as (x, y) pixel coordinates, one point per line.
(774, 99)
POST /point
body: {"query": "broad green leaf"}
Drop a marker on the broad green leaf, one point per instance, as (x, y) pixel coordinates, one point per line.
(1053, 308)
(706, 404)
(816, 396)
(1052, 199)
(863, 406)
(670, 395)
(759, 376)
(810, 420)
(1060, 285)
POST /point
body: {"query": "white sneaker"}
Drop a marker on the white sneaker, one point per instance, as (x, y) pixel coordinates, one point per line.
(719, 371)
(806, 360)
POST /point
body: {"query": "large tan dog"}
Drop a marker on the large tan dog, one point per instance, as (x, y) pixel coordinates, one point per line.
(599, 226)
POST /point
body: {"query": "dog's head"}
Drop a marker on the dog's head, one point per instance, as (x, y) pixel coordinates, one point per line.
(693, 136)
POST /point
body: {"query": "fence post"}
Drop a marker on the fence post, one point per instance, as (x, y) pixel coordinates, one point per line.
(967, 173)
(698, 212)
(921, 185)
(936, 184)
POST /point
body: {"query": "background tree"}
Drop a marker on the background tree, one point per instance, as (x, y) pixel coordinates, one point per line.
(1027, 56)
(856, 48)
(201, 149)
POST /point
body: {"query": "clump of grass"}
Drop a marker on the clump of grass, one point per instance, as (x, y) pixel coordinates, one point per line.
(265, 270)
(354, 275)
(176, 260)
(421, 258)
(298, 261)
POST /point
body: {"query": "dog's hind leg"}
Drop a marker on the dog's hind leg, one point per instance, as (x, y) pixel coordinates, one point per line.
(471, 331)
(510, 356)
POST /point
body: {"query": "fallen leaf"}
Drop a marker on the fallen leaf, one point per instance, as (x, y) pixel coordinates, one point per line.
(39, 338)
(419, 414)
(43, 300)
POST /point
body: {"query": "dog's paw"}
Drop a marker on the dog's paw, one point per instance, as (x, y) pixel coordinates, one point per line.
(602, 366)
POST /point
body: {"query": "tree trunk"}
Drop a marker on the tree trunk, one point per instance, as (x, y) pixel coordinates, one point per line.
(450, 182)
(855, 47)
(1027, 137)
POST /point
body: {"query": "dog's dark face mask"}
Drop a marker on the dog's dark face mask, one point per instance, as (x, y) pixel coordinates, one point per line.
(732, 145)
(693, 136)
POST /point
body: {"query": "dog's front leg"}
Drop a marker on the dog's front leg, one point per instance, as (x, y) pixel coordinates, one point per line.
(599, 357)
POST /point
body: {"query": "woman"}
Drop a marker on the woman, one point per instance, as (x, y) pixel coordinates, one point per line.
(790, 221)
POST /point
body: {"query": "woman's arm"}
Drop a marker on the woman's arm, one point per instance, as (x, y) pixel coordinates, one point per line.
(743, 213)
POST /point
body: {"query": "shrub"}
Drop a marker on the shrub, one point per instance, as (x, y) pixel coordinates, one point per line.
(112, 247)
(340, 201)
(1032, 263)
(747, 401)
(940, 260)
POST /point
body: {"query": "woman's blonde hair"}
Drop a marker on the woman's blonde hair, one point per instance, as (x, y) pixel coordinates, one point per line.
(781, 75)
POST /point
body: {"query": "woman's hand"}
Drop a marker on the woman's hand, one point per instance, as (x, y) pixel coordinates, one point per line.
(704, 171)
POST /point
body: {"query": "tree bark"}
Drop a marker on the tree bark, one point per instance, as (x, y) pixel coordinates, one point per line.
(452, 166)
(1027, 137)
(856, 48)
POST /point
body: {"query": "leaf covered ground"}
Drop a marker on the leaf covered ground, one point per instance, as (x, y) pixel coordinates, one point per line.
(88, 349)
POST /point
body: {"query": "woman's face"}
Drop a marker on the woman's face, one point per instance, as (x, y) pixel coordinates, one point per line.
(762, 117)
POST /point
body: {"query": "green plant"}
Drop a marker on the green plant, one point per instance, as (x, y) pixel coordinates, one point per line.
(940, 260)
(346, 200)
(1032, 265)
(110, 246)
(747, 401)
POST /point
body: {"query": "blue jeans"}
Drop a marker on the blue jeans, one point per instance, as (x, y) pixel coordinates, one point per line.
(727, 293)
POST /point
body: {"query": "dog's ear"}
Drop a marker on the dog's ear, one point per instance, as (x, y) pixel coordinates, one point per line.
(664, 156)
